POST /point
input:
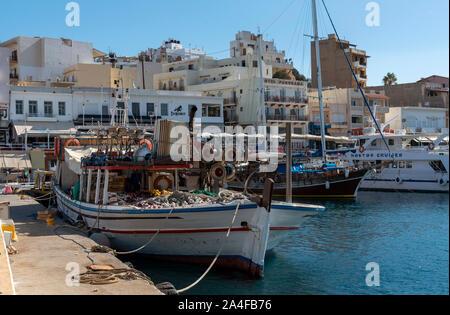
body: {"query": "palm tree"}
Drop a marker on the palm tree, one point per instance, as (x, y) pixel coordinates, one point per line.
(390, 79)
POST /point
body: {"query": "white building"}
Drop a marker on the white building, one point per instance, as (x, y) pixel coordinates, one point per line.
(417, 119)
(172, 50)
(4, 93)
(237, 80)
(40, 113)
(36, 59)
(247, 43)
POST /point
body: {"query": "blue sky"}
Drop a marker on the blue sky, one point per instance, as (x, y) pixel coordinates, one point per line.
(412, 40)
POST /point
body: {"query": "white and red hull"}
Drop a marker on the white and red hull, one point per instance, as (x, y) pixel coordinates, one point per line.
(189, 234)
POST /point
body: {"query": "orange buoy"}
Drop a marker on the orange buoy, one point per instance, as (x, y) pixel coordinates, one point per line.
(148, 142)
(76, 141)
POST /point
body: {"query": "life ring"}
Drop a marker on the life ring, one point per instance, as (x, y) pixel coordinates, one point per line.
(218, 172)
(431, 146)
(362, 149)
(399, 181)
(76, 141)
(159, 179)
(148, 142)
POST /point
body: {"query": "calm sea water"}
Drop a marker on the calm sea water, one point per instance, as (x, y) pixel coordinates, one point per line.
(406, 234)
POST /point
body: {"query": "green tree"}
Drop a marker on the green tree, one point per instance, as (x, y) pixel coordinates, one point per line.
(298, 76)
(281, 75)
(389, 79)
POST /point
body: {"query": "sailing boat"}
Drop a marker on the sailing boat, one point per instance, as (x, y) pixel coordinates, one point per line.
(311, 178)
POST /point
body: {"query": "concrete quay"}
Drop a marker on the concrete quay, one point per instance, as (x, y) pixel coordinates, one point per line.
(39, 267)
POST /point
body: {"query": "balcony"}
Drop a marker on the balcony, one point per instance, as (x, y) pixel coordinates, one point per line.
(358, 64)
(230, 101)
(285, 100)
(39, 117)
(355, 51)
(287, 118)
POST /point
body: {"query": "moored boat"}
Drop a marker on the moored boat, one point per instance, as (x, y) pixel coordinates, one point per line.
(286, 217)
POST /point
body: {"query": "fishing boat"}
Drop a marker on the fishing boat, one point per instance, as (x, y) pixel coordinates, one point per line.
(174, 230)
(124, 186)
(314, 176)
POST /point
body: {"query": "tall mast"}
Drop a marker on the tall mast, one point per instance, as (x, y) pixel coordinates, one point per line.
(319, 82)
(261, 81)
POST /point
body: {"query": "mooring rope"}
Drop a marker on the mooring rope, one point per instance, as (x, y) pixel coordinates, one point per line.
(151, 239)
(217, 256)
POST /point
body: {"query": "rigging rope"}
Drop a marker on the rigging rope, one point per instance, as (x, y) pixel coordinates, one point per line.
(217, 256)
(356, 79)
(151, 239)
(282, 13)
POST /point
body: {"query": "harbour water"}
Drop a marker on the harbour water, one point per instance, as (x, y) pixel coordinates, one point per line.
(407, 235)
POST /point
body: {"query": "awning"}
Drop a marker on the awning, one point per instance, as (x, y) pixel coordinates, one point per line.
(74, 155)
(45, 128)
(19, 161)
(319, 138)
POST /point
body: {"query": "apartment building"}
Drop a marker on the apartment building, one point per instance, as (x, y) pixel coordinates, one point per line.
(41, 61)
(237, 80)
(345, 111)
(247, 42)
(431, 92)
(39, 113)
(335, 69)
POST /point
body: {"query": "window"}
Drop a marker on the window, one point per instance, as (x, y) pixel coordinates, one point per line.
(121, 105)
(62, 108)
(32, 108)
(391, 142)
(48, 109)
(150, 109)
(136, 110)
(19, 107)
(211, 110)
(255, 64)
(401, 164)
(164, 109)
(394, 164)
(105, 110)
(409, 164)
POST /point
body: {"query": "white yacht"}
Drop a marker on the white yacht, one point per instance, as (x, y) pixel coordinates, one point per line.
(413, 163)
